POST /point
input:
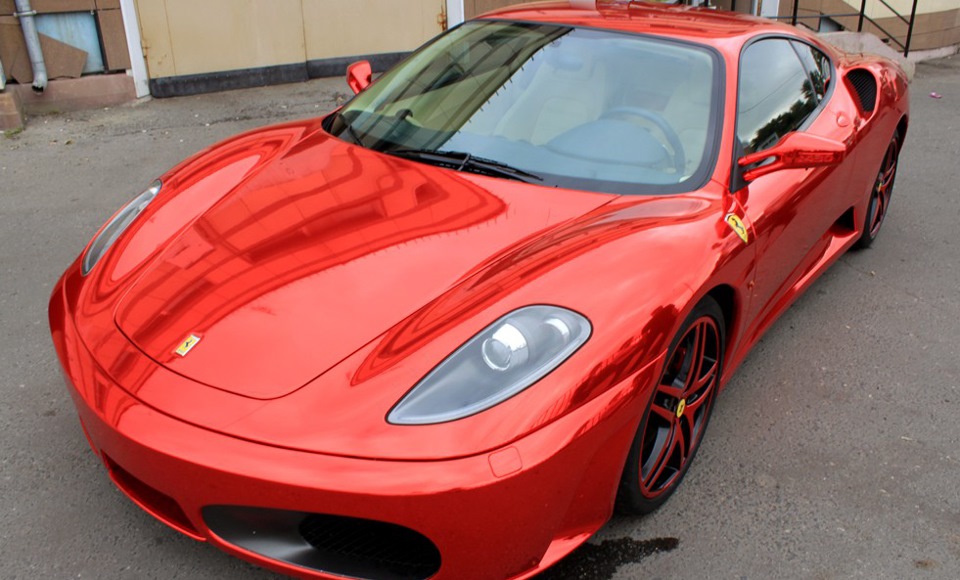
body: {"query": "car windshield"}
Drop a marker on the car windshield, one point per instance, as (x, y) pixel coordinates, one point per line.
(556, 105)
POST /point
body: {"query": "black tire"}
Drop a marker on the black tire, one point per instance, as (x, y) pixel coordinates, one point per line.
(880, 194)
(675, 415)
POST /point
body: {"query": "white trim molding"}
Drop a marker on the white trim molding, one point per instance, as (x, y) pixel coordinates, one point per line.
(138, 65)
(454, 12)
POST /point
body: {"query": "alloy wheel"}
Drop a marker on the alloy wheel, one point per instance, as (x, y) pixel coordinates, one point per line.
(680, 408)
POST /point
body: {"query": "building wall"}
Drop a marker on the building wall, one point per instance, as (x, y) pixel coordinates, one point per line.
(195, 46)
(338, 28)
(472, 8)
(937, 22)
(194, 37)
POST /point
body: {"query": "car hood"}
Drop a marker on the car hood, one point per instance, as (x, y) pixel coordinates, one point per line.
(325, 247)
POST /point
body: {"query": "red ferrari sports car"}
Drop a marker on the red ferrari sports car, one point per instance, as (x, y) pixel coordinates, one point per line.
(445, 330)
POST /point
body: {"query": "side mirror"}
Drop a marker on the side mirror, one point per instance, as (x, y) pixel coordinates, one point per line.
(359, 76)
(794, 151)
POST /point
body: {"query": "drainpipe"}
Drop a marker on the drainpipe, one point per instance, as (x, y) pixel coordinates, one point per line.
(25, 13)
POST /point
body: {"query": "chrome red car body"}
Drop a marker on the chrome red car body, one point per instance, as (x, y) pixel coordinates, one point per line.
(324, 280)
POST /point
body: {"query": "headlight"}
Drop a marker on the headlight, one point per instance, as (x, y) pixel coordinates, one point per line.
(116, 226)
(505, 358)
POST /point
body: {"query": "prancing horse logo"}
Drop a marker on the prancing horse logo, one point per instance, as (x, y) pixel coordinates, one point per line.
(736, 224)
(188, 343)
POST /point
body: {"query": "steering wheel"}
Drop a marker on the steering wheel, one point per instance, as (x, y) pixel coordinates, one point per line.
(679, 158)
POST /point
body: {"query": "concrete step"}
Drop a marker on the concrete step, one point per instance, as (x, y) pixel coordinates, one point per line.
(866, 43)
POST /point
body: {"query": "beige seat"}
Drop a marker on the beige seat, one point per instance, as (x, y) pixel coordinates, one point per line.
(566, 92)
(688, 112)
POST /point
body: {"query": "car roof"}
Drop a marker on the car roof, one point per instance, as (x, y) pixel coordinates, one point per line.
(687, 22)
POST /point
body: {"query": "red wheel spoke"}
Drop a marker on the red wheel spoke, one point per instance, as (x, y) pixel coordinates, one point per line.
(668, 450)
(695, 429)
(696, 358)
(671, 391)
(891, 157)
(662, 458)
(888, 174)
(885, 181)
(882, 187)
(706, 376)
(695, 404)
(874, 214)
(680, 444)
(704, 366)
(665, 414)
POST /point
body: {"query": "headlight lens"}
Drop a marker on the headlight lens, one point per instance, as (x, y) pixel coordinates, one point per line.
(116, 226)
(505, 358)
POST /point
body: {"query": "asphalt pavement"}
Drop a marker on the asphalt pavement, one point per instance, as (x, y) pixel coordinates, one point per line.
(833, 453)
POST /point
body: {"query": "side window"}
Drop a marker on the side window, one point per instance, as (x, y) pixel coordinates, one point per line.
(775, 94)
(817, 65)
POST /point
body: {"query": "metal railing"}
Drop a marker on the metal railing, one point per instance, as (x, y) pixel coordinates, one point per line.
(862, 17)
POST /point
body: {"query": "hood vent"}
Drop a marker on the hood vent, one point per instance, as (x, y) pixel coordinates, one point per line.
(864, 85)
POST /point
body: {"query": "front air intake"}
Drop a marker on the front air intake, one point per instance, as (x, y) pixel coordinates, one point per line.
(864, 86)
(336, 545)
(158, 504)
(379, 549)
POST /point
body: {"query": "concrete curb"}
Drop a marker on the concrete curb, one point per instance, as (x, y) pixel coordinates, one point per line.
(933, 53)
(864, 42)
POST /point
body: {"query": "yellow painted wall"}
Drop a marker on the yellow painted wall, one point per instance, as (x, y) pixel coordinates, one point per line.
(350, 27)
(183, 37)
(877, 10)
(937, 23)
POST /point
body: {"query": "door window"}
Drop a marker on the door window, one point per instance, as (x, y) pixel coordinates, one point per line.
(775, 94)
(817, 65)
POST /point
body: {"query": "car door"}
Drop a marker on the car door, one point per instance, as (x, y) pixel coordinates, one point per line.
(784, 87)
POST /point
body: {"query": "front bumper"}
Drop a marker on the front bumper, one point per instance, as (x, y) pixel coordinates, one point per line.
(508, 513)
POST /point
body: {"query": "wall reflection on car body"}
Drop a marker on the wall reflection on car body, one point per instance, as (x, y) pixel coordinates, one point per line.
(294, 220)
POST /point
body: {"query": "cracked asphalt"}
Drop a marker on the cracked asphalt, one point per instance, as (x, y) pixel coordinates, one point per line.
(834, 452)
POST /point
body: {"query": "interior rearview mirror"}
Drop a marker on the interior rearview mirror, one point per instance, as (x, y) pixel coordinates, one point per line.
(795, 150)
(359, 76)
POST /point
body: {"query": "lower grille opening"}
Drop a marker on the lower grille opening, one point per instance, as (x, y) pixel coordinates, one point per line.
(344, 546)
(161, 506)
(399, 551)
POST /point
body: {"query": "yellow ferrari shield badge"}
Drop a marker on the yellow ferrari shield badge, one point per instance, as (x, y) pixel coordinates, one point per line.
(736, 224)
(188, 343)
(681, 407)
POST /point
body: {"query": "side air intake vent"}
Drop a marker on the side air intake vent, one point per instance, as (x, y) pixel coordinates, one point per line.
(865, 86)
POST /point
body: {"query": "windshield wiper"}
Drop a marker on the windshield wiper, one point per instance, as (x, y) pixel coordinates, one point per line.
(349, 129)
(462, 161)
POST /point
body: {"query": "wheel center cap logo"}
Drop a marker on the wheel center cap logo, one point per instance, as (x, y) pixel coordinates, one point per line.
(187, 344)
(681, 407)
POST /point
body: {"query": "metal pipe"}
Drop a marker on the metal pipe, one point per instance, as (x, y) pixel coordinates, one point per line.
(796, 8)
(913, 18)
(26, 13)
(863, 9)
